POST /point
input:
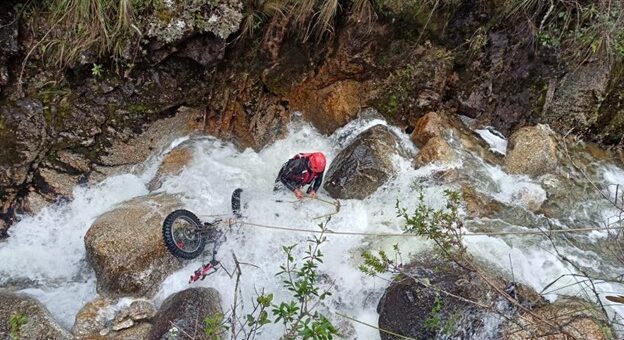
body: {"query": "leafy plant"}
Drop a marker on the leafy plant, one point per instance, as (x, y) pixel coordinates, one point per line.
(97, 70)
(214, 326)
(434, 321)
(16, 322)
(301, 278)
(298, 315)
(443, 226)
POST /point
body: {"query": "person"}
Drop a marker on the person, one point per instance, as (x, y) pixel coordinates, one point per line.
(301, 170)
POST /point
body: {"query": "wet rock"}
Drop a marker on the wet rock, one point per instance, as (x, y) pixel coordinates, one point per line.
(335, 105)
(159, 135)
(74, 161)
(101, 317)
(531, 199)
(478, 204)
(58, 183)
(172, 164)
(124, 324)
(185, 310)
(140, 331)
(22, 140)
(364, 165)
(242, 112)
(532, 151)
(437, 150)
(93, 318)
(126, 249)
(9, 44)
(3, 228)
(577, 98)
(38, 323)
(141, 310)
(416, 308)
(427, 127)
(579, 320)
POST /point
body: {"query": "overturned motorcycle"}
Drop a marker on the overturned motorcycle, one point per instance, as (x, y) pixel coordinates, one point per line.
(186, 236)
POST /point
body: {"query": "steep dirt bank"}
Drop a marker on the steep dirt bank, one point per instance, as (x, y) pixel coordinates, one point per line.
(407, 62)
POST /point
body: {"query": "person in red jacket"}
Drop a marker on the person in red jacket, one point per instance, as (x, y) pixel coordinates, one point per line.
(301, 170)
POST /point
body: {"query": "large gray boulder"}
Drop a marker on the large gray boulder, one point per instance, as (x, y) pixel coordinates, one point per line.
(364, 165)
(184, 311)
(414, 306)
(37, 323)
(574, 101)
(126, 249)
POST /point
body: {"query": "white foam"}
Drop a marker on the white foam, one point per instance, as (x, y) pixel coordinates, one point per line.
(48, 248)
(495, 139)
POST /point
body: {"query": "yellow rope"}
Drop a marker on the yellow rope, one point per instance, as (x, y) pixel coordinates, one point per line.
(356, 233)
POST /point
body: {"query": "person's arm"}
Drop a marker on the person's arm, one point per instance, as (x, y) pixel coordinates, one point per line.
(317, 184)
(294, 167)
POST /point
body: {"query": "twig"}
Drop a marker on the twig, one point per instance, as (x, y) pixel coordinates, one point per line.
(238, 275)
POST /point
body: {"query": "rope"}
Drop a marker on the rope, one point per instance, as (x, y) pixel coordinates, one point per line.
(356, 233)
(375, 327)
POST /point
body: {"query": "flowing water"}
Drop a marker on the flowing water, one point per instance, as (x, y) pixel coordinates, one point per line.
(45, 255)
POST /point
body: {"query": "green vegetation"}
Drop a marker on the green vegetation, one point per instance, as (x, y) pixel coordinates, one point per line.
(434, 321)
(215, 326)
(16, 322)
(579, 29)
(96, 70)
(299, 315)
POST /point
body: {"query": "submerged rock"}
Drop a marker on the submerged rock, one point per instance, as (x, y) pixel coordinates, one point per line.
(184, 311)
(172, 164)
(532, 151)
(126, 249)
(364, 165)
(35, 320)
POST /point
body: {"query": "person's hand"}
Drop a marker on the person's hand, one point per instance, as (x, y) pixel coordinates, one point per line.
(313, 194)
(299, 194)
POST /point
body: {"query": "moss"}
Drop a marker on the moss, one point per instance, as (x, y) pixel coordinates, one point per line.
(138, 108)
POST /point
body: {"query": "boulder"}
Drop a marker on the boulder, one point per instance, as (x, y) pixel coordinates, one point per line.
(172, 164)
(126, 249)
(413, 305)
(364, 165)
(437, 150)
(532, 151)
(577, 98)
(36, 321)
(186, 310)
